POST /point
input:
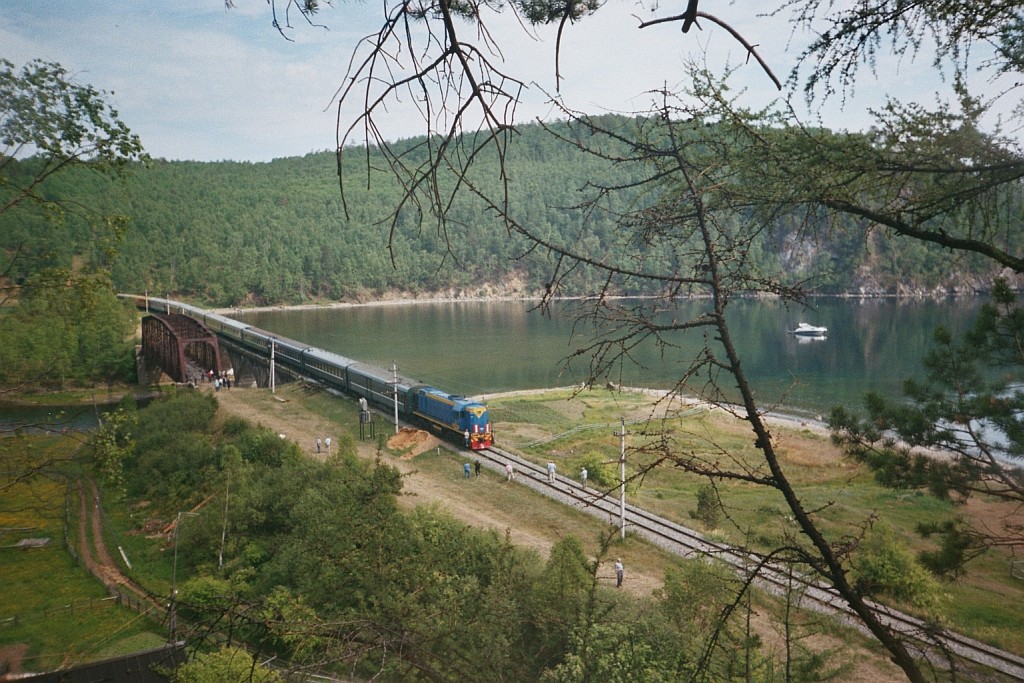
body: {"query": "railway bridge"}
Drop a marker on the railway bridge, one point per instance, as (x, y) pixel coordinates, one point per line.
(187, 350)
(181, 346)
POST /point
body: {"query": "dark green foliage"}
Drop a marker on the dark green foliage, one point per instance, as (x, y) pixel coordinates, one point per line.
(640, 648)
(46, 112)
(698, 600)
(600, 473)
(958, 544)
(546, 11)
(232, 233)
(112, 444)
(173, 454)
(57, 238)
(560, 596)
(709, 507)
(882, 566)
(226, 664)
(65, 335)
(262, 447)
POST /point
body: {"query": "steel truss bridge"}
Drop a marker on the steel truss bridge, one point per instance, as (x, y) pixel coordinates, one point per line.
(181, 346)
(187, 350)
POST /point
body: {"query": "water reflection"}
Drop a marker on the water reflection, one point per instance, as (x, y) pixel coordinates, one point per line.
(46, 419)
(492, 346)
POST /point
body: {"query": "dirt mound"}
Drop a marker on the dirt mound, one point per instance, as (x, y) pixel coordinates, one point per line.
(11, 658)
(411, 442)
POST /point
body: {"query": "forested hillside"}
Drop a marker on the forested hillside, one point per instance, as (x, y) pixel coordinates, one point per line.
(233, 233)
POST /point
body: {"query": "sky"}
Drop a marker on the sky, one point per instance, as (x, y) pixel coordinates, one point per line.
(199, 81)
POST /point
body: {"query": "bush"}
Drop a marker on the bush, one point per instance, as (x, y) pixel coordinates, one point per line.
(709, 507)
(599, 473)
(884, 566)
(227, 665)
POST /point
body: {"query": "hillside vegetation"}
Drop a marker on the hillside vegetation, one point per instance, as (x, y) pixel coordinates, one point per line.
(231, 233)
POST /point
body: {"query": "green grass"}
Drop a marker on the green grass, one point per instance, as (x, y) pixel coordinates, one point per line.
(49, 602)
(525, 411)
(150, 561)
(842, 494)
(538, 517)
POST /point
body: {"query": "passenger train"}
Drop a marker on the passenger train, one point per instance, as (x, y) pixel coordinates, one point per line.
(457, 417)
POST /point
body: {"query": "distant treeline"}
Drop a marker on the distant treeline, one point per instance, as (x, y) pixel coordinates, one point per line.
(230, 233)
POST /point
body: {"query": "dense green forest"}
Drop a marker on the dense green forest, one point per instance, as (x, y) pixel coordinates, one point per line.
(231, 233)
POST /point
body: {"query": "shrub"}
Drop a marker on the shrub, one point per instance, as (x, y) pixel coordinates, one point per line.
(599, 473)
(227, 665)
(709, 507)
(884, 566)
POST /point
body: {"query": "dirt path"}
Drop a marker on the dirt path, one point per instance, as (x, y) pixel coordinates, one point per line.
(418, 488)
(92, 547)
(95, 557)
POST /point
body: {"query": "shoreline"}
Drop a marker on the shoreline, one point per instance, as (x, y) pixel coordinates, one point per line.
(790, 417)
(773, 418)
(793, 419)
(330, 305)
(411, 301)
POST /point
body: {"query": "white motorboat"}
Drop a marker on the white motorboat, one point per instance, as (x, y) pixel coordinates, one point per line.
(805, 330)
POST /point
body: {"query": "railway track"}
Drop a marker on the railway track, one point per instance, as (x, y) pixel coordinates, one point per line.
(930, 642)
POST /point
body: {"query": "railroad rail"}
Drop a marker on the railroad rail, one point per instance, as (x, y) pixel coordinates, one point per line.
(932, 643)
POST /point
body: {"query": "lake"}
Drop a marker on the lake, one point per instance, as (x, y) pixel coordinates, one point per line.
(480, 347)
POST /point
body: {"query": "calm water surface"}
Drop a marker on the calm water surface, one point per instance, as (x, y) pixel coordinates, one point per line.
(485, 347)
(45, 419)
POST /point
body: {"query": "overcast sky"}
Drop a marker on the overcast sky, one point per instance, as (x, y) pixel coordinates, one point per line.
(198, 81)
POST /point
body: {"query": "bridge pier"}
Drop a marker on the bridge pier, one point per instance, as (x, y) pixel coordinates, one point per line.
(148, 373)
(252, 369)
(247, 370)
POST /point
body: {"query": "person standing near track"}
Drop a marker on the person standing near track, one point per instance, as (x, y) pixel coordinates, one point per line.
(551, 472)
(620, 571)
(583, 477)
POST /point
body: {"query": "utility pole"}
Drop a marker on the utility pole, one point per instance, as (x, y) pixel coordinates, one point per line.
(272, 367)
(172, 612)
(224, 527)
(394, 369)
(622, 477)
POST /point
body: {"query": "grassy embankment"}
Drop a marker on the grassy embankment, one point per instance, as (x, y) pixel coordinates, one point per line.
(845, 494)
